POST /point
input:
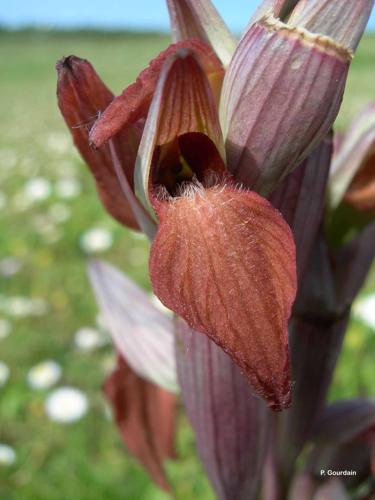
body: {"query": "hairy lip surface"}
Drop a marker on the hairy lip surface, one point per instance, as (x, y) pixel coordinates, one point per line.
(224, 260)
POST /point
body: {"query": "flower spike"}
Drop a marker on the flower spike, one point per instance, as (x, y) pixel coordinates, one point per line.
(200, 19)
(279, 81)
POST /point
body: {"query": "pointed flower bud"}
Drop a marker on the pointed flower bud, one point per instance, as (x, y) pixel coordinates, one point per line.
(81, 97)
(281, 94)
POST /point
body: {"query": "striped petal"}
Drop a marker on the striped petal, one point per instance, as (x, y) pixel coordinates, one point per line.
(145, 415)
(231, 425)
(281, 94)
(141, 333)
(134, 102)
(182, 123)
(343, 20)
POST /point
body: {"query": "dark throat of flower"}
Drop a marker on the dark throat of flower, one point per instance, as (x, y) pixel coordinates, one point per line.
(184, 161)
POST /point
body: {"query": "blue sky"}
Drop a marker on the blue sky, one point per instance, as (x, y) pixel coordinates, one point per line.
(135, 14)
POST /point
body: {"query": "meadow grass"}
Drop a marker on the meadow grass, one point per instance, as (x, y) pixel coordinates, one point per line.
(86, 460)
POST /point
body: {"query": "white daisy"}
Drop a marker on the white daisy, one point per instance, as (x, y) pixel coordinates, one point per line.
(44, 375)
(87, 339)
(37, 189)
(96, 240)
(7, 455)
(19, 307)
(66, 405)
(364, 309)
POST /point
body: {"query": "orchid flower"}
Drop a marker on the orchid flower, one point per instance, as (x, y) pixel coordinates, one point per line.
(222, 257)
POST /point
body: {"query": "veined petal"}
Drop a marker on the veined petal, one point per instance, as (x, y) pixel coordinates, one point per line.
(134, 102)
(281, 94)
(145, 415)
(224, 260)
(231, 424)
(141, 333)
(183, 104)
(343, 20)
(200, 19)
(353, 166)
(301, 200)
(81, 97)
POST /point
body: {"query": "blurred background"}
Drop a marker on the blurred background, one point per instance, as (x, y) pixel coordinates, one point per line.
(53, 352)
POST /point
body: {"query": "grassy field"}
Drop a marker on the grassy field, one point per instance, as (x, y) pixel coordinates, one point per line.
(86, 460)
